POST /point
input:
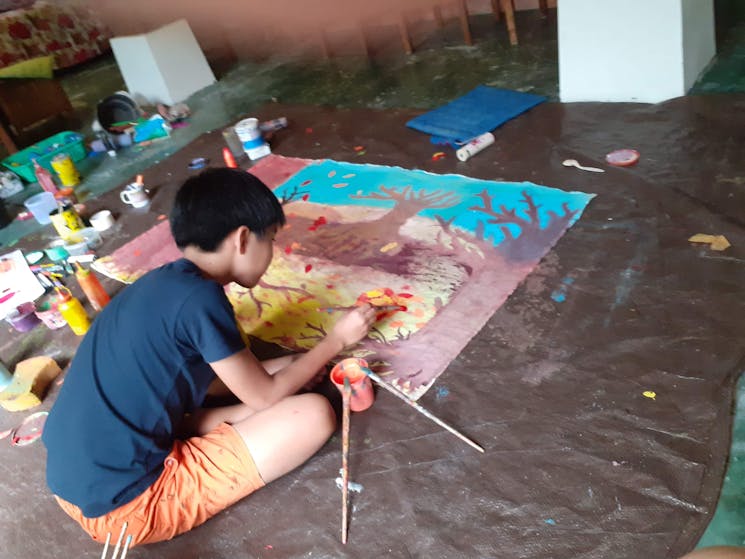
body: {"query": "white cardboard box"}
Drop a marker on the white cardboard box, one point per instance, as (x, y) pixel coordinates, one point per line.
(163, 66)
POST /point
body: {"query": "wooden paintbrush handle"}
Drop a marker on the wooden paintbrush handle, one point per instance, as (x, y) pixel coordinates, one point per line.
(346, 398)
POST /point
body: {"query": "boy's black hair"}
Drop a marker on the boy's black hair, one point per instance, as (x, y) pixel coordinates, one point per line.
(212, 204)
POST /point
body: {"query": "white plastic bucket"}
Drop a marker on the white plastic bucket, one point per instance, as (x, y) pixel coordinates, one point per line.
(250, 136)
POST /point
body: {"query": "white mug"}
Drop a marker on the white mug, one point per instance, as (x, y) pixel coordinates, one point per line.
(135, 194)
(101, 221)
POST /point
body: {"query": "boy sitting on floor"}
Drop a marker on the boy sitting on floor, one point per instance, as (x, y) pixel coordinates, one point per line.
(114, 454)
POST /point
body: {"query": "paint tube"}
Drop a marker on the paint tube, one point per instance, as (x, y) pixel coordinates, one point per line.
(44, 281)
(46, 268)
(273, 125)
(474, 146)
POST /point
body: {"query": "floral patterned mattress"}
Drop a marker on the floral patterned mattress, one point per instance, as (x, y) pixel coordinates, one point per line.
(70, 32)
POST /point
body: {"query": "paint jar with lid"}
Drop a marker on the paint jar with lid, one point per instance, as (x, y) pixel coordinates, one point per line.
(66, 221)
(73, 312)
(250, 136)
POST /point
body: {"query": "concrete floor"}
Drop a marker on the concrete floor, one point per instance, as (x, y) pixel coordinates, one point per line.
(408, 82)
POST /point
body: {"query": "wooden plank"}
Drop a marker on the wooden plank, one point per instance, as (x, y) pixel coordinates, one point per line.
(509, 14)
(463, 13)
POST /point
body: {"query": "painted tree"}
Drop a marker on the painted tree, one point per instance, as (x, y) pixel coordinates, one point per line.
(360, 243)
(532, 240)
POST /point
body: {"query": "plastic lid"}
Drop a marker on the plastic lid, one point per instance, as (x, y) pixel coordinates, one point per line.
(623, 157)
(64, 294)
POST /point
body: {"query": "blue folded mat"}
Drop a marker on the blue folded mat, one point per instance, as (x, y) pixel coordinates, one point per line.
(481, 110)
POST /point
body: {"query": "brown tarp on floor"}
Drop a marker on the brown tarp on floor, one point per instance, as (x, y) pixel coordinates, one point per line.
(578, 463)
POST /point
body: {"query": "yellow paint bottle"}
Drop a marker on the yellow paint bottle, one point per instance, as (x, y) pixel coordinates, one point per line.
(73, 312)
(65, 169)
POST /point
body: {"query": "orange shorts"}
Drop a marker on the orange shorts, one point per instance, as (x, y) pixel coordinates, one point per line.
(202, 476)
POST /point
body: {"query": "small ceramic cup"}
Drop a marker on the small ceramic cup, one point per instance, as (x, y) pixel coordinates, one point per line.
(101, 221)
(135, 195)
(363, 394)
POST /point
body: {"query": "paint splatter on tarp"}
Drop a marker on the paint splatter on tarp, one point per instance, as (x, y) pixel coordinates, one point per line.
(448, 248)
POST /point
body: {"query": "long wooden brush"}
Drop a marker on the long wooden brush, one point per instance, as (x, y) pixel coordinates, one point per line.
(346, 397)
(420, 409)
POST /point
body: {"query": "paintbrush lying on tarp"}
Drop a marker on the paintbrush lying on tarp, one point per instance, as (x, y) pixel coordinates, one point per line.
(419, 408)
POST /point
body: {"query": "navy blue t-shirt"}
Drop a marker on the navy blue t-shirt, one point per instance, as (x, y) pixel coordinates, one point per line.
(139, 369)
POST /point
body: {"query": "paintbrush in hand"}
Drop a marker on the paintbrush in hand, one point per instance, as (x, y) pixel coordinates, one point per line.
(378, 308)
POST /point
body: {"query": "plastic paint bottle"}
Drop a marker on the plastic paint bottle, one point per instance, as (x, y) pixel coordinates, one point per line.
(229, 159)
(73, 312)
(92, 288)
(45, 178)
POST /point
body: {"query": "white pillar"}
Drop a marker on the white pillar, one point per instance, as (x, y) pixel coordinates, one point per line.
(635, 50)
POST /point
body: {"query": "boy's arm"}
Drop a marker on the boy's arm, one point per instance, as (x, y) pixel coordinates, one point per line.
(244, 375)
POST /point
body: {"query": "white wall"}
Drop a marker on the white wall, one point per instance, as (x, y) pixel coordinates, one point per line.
(699, 43)
(632, 50)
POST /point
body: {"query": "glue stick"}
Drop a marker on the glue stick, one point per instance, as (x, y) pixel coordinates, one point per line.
(72, 311)
(92, 288)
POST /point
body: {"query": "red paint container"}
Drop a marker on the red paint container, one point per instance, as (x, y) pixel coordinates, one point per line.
(363, 395)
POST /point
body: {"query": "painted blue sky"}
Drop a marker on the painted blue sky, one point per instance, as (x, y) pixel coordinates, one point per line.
(366, 179)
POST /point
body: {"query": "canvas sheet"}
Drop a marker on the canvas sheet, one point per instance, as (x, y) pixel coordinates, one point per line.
(447, 249)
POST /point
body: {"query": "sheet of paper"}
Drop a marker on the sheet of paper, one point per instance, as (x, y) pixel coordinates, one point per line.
(18, 284)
